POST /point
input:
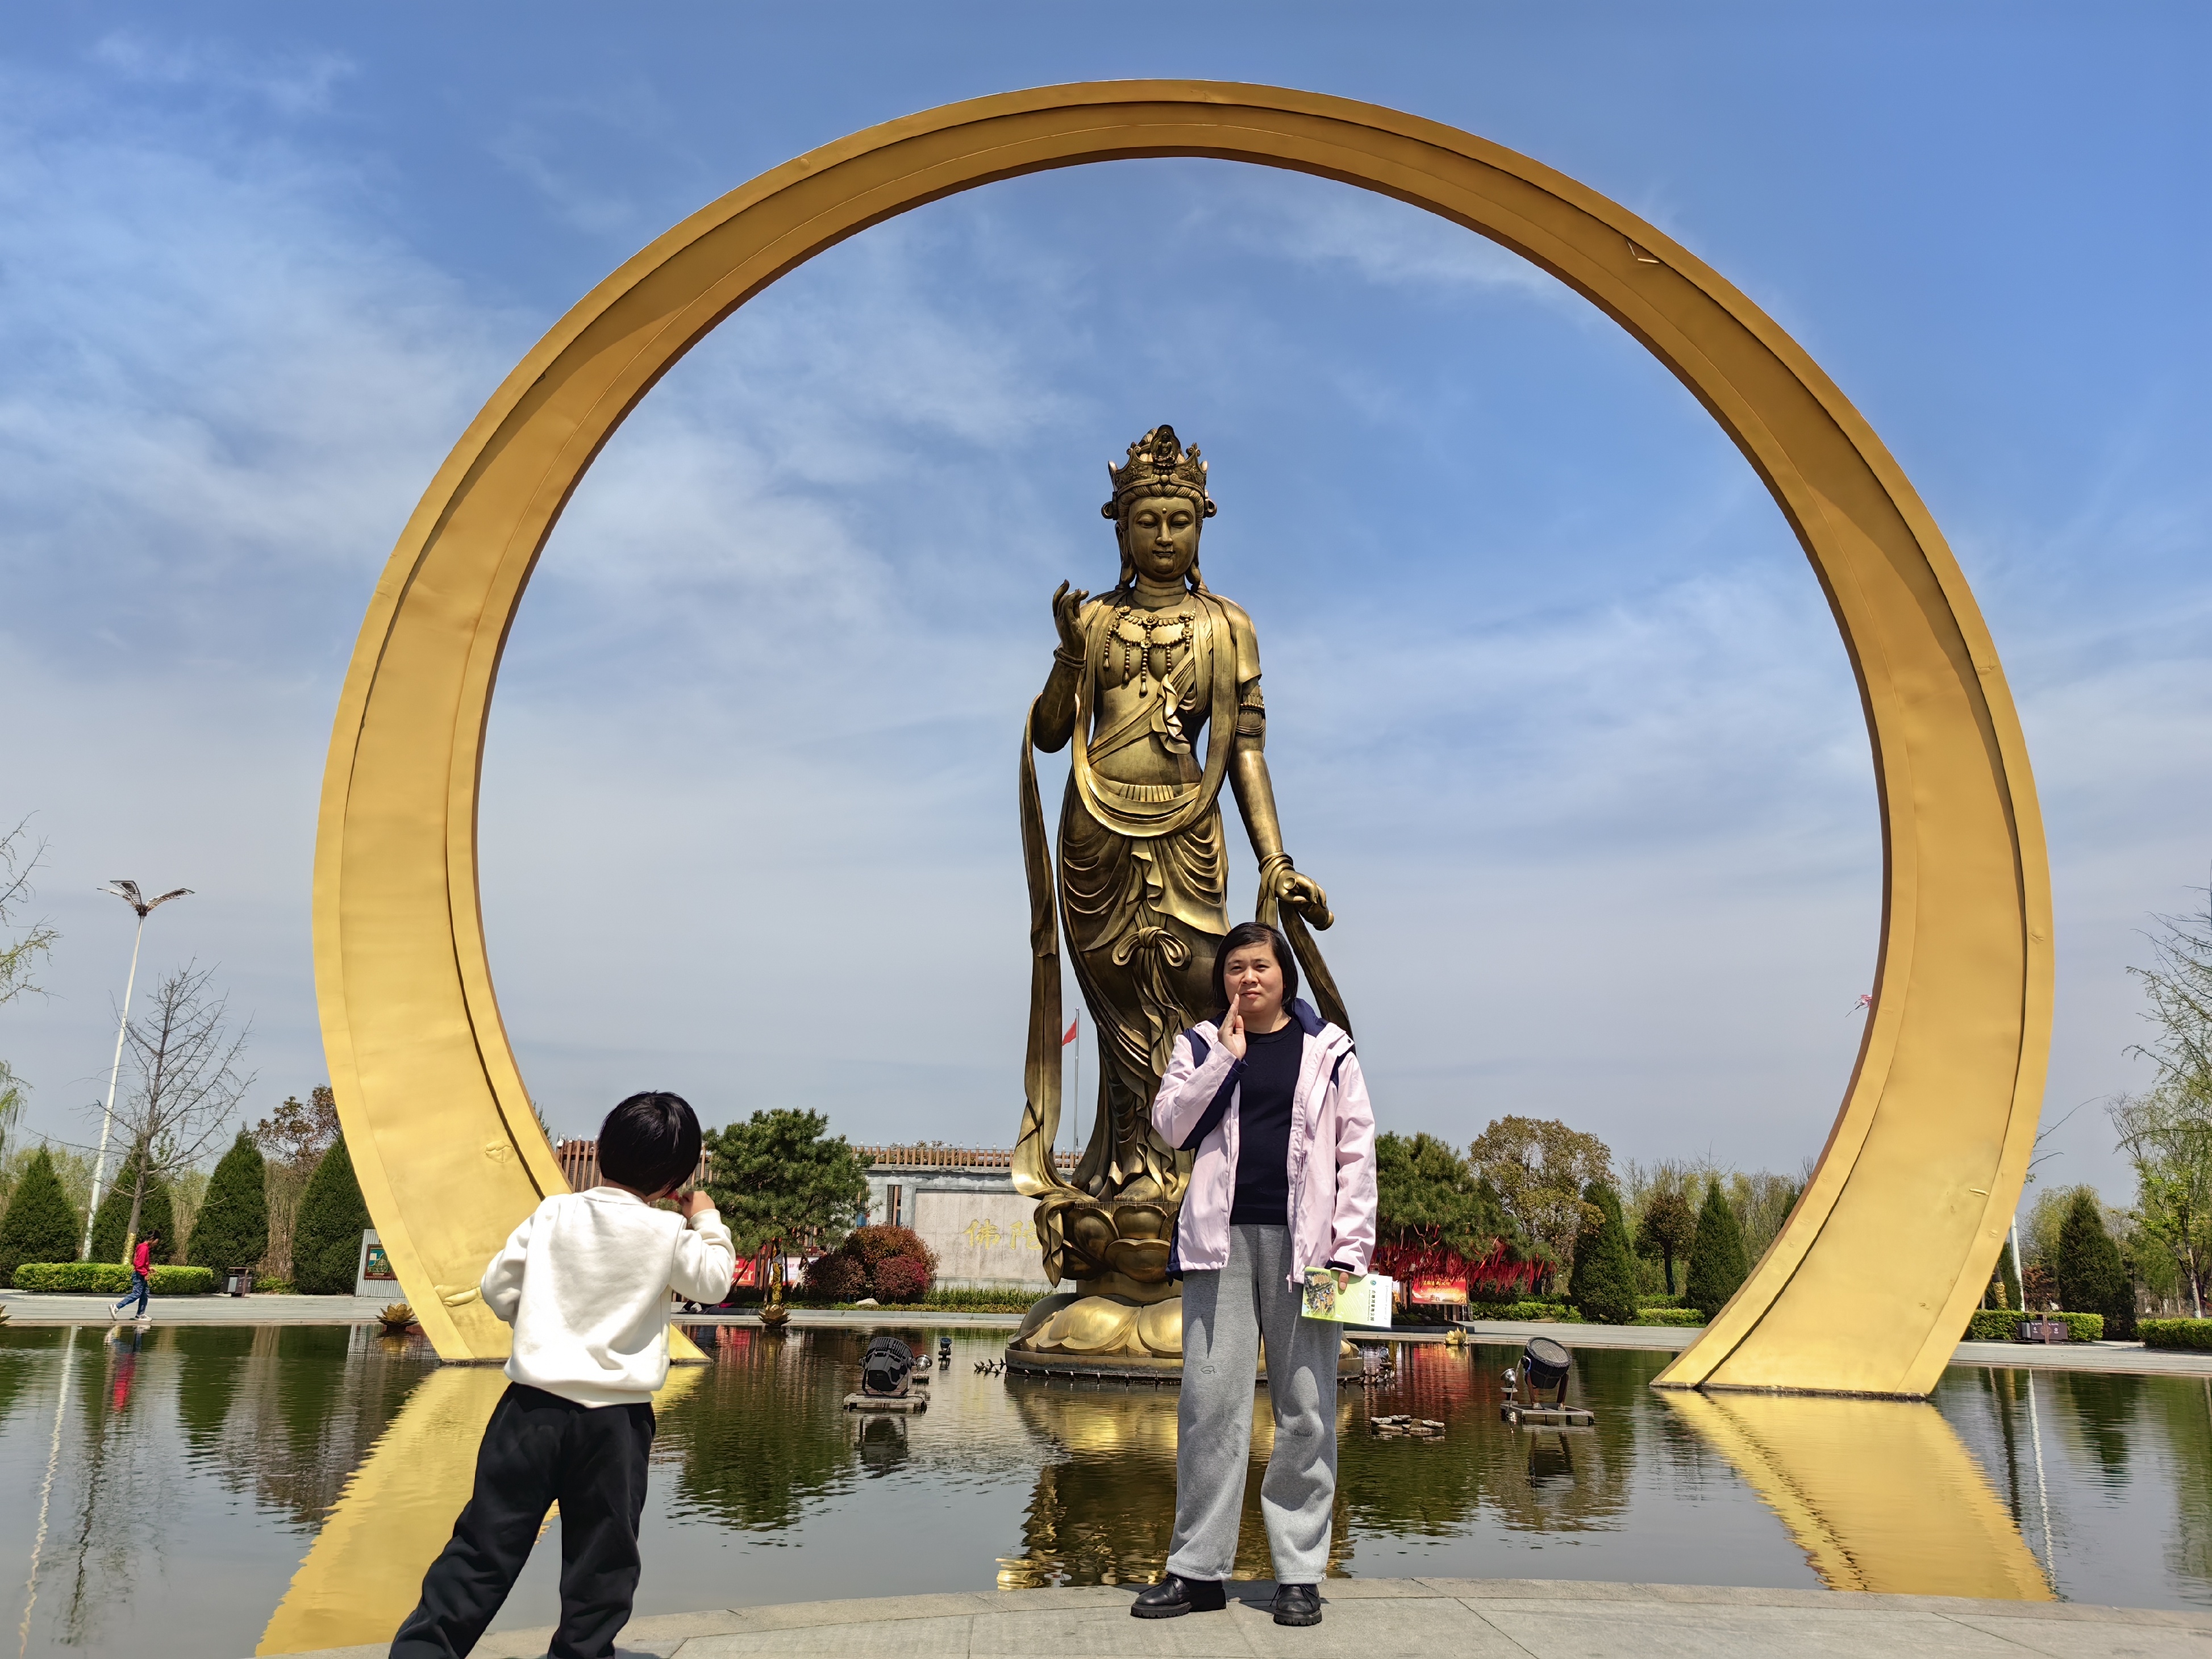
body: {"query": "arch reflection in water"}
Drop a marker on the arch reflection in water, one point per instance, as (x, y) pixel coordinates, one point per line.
(397, 1511)
(1880, 1494)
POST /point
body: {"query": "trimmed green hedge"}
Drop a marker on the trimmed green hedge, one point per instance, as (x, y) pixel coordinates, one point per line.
(1669, 1316)
(1557, 1312)
(110, 1278)
(2195, 1334)
(2003, 1325)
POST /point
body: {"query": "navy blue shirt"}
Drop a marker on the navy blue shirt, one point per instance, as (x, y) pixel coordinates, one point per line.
(1263, 1126)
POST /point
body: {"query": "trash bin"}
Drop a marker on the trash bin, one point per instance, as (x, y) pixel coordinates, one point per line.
(237, 1282)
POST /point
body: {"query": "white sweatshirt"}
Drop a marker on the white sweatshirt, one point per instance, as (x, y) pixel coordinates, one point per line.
(585, 1282)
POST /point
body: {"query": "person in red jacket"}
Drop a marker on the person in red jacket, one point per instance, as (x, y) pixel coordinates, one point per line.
(142, 1274)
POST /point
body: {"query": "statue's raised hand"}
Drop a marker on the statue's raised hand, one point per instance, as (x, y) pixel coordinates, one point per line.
(1305, 894)
(1067, 617)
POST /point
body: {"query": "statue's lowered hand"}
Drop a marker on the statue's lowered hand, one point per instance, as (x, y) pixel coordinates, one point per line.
(1305, 894)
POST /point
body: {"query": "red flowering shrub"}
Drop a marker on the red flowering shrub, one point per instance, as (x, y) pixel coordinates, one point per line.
(903, 1279)
(836, 1277)
(874, 1245)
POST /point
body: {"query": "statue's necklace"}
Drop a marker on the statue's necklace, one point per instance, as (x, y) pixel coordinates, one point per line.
(1137, 634)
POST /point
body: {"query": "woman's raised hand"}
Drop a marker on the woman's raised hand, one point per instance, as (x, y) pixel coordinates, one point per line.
(1233, 1030)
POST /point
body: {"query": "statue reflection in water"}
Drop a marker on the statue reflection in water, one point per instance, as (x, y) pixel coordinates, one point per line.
(1103, 1510)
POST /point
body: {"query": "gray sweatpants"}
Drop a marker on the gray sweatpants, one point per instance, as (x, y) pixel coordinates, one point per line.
(1225, 1315)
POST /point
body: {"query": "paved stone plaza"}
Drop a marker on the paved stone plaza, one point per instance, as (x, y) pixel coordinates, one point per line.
(27, 1307)
(1380, 1617)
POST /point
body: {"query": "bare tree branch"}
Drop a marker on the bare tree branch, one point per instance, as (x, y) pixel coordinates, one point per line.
(2180, 989)
(189, 1084)
(19, 959)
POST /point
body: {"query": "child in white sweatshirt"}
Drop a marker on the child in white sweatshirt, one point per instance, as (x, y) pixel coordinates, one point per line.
(585, 1282)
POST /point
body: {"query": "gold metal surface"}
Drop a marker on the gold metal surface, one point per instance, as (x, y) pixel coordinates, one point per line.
(1868, 1285)
(1144, 675)
(1881, 1495)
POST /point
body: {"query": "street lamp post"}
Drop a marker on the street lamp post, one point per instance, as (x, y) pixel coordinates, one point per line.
(129, 893)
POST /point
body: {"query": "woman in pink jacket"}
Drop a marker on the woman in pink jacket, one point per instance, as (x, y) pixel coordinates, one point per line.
(1271, 1100)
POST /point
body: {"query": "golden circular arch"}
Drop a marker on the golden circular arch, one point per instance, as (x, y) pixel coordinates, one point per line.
(1868, 1285)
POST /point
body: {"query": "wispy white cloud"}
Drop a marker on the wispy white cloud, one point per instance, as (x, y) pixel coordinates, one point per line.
(226, 386)
(223, 386)
(291, 84)
(1369, 237)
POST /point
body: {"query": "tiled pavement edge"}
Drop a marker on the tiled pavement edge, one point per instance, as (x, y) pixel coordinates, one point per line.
(1378, 1617)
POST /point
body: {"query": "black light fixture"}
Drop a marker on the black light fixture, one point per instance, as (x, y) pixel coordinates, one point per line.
(886, 1366)
(1545, 1364)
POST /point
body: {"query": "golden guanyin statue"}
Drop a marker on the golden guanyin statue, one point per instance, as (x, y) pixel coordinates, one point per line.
(1146, 679)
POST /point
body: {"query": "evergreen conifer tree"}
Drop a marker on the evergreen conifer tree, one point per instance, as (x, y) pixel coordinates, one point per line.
(41, 1224)
(327, 1238)
(232, 1229)
(2004, 1281)
(114, 1215)
(1718, 1267)
(2092, 1276)
(1603, 1285)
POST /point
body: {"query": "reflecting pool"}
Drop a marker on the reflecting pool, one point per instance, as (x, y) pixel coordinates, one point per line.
(210, 1491)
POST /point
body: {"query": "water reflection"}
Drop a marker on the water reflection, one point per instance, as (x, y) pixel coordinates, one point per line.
(141, 1449)
(195, 1490)
(1880, 1494)
(2106, 1476)
(1102, 1507)
(761, 1435)
(1538, 1481)
(397, 1510)
(396, 1513)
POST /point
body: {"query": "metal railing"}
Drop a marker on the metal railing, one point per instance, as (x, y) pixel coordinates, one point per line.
(580, 1160)
(936, 1157)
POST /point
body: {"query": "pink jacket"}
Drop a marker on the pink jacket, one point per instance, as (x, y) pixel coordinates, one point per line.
(1332, 1148)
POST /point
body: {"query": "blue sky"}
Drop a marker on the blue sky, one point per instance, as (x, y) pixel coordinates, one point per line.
(1558, 713)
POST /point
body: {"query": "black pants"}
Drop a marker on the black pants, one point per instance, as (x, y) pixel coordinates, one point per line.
(536, 1448)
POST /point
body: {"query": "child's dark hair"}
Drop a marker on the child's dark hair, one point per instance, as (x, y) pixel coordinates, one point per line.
(650, 1143)
(1253, 932)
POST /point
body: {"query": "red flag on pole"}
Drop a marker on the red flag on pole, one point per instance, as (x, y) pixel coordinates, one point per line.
(1069, 1036)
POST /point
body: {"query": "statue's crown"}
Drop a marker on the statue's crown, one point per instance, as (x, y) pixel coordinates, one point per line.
(1158, 465)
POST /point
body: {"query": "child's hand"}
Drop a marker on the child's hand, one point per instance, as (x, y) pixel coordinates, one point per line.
(693, 1203)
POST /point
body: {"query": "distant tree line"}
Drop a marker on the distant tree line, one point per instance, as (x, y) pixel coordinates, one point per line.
(282, 1203)
(2152, 1258)
(1537, 1194)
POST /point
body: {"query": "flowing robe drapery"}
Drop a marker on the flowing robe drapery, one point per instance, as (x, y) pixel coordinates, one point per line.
(1142, 888)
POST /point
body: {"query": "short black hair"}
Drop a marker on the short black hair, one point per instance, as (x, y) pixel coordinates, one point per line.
(1252, 932)
(650, 1143)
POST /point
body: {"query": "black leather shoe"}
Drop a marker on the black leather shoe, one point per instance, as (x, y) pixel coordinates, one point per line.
(1172, 1597)
(1297, 1604)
